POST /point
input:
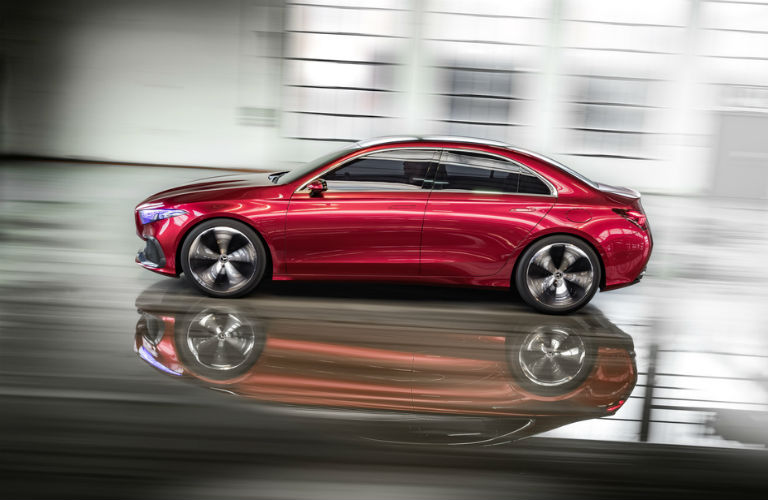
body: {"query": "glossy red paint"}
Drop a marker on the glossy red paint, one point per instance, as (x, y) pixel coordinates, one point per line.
(415, 236)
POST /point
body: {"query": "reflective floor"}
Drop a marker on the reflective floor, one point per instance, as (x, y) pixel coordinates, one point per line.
(118, 383)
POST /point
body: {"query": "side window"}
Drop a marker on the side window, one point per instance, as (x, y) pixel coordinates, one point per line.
(477, 172)
(530, 184)
(396, 170)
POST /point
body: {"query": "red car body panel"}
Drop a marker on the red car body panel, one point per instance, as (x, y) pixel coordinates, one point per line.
(355, 234)
(413, 236)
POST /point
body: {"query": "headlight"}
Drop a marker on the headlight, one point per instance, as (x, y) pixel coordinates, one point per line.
(148, 215)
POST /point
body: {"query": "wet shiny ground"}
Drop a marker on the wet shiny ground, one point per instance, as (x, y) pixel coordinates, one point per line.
(85, 412)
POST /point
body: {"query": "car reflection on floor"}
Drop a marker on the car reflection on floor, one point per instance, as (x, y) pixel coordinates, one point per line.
(413, 383)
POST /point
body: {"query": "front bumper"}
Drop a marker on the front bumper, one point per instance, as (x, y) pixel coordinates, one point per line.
(151, 256)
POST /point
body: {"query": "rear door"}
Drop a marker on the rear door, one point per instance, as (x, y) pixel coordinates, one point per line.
(481, 208)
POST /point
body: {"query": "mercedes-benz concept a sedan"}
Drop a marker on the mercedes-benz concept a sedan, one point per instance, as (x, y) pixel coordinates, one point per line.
(411, 209)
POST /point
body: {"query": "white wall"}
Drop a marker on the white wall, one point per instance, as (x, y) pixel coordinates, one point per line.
(154, 81)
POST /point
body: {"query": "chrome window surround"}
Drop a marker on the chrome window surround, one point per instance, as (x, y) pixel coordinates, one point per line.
(470, 141)
(435, 159)
(523, 171)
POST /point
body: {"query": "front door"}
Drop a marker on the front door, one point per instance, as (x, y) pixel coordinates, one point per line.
(368, 222)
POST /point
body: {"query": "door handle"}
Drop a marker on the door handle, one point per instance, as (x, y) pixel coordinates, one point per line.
(523, 209)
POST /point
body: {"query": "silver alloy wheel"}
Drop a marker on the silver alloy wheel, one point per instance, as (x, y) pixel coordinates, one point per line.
(220, 340)
(559, 275)
(222, 259)
(552, 357)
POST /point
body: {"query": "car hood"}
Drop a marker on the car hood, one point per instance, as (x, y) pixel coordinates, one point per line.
(215, 183)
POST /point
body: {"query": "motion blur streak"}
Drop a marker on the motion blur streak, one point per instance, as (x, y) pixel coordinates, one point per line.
(379, 391)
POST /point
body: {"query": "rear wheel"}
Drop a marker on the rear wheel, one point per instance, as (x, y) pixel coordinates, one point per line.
(223, 258)
(550, 361)
(558, 274)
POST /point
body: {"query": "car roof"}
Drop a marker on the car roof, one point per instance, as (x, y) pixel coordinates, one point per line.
(393, 139)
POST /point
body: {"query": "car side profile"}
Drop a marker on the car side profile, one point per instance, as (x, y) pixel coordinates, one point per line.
(441, 210)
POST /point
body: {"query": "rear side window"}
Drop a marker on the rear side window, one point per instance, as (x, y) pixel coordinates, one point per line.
(404, 169)
(530, 184)
(480, 173)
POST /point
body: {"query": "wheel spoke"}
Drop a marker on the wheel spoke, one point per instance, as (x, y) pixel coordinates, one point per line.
(200, 343)
(233, 274)
(582, 279)
(209, 323)
(240, 255)
(570, 353)
(223, 238)
(219, 358)
(569, 257)
(202, 252)
(233, 323)
(211, 275)
(554, 343)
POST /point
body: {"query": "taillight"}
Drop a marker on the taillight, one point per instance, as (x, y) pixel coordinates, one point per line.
(615, 406)
(636, 217)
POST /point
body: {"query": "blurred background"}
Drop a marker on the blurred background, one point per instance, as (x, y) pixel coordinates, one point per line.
(105, 102)
(667, 96)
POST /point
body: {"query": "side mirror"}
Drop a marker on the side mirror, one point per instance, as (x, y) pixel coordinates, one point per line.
(317, 187)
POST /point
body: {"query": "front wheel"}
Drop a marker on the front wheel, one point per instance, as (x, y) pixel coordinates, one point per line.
(223, 258)
(558, 274)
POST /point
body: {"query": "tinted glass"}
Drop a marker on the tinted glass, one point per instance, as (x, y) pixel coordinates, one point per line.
(471, 172)
(530, 184)
(298, 172)
(389, 170)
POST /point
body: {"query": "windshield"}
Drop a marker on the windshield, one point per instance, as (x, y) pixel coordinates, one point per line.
(301, 171)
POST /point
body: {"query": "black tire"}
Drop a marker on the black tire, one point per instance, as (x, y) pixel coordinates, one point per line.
(563, 295)
(216, 274)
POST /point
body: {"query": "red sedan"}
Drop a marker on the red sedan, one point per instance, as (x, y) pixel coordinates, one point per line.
(429, 210)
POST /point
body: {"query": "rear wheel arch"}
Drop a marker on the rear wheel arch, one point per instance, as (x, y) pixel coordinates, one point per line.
(577, 235)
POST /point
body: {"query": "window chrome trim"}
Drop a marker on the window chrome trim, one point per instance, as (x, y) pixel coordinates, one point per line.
(523, 168)
(436, 153)
(465, 140)
(387, 139)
